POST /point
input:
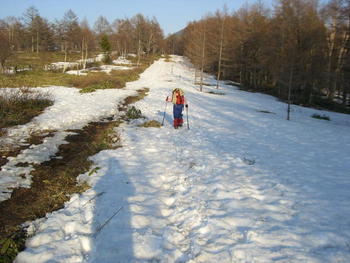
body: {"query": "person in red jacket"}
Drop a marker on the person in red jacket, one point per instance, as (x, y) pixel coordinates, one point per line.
(179, 101)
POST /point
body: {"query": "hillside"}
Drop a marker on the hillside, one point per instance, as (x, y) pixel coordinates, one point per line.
(243, 184)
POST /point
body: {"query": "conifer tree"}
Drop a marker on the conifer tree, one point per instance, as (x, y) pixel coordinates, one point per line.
(106, 48)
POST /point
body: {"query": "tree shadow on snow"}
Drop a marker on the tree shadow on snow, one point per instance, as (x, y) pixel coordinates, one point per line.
(112, 239)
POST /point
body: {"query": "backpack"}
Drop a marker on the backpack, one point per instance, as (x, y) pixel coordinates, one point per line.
(178, 96)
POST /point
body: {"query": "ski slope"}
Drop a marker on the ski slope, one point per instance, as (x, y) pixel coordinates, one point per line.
(240, 186)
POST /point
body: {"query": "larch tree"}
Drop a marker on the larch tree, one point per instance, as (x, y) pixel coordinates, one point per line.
(196, 47)
(102, 26)
(30, 20)
(71, 33)
(5, 51)
(87, 41)
(337, 16)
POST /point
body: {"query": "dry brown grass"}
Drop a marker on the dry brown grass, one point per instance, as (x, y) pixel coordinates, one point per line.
(150, 124)
(39, 60)
(53, 183)
(21, 105)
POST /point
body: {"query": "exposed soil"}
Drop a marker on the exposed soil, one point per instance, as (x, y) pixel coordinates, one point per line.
(34, 139)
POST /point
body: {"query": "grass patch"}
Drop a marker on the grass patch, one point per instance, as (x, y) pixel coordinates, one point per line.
(20, 106)
(144, 60)
(100, 80)
(108, 84)
(38, 60)
(92, 81)
(151, 123)
(132, 99)
(167, 58)
(11, 246)
(321, 117)
(35, 79)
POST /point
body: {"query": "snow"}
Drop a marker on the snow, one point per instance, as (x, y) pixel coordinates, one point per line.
(71, 110)
(58, 65)
(239, 186)
(108, 68)
(82, 72)
(122, 61)
(61, 65)
(103, 68)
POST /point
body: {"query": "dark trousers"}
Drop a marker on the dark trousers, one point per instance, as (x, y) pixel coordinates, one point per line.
(177, 111)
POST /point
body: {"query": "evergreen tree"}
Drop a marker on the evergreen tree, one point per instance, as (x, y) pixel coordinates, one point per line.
(106, 47)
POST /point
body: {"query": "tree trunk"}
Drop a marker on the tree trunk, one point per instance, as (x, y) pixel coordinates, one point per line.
(220, 54)
(203, 57)
(331, 46)
(82, 50)
(139, 53)
(86, 53)
(37, 42)
(195, 75)
(290, 91)
(65, 57)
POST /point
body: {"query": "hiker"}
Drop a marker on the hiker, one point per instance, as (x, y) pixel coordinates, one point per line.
(178, 99)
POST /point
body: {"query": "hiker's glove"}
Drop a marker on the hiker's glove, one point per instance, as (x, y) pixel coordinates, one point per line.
(186, 105)
(167, 99)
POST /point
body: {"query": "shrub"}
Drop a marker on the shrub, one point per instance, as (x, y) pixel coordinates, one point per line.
(133, 113)
(104, 85)
(94, 81)
(323, 117)
(21, 105)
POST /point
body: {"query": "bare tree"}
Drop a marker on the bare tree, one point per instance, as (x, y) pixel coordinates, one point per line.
(87, 41)
(337, 15)
(5, 51)
(102, 26)
(123, 37)
(196, 47)
(29, 18)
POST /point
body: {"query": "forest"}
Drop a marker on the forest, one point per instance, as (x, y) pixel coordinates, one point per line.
(297, 51)
(33, 33)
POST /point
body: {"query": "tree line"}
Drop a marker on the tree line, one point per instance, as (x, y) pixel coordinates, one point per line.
(297, 50)
(34, 33)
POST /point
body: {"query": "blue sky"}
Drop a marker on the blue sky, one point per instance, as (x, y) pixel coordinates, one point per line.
(172, 15)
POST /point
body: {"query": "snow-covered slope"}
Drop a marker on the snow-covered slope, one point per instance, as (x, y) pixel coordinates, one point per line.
(239, 186)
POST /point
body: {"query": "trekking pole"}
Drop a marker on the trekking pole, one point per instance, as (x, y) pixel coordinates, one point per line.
(188, 124)
(166, 103)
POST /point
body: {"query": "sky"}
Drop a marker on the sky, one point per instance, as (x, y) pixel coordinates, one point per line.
(172, 15)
